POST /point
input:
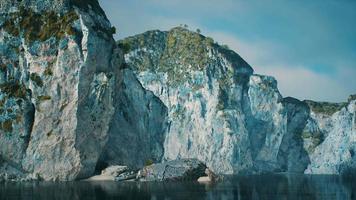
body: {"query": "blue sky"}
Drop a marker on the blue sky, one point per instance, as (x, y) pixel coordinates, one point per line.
(308, 46)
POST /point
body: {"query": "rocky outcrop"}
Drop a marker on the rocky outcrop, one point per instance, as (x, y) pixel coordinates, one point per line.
(115, 173)
(175, 170)
(330, 137)
(218, 111)
(58, 75)
(236, 121)
(70, 106)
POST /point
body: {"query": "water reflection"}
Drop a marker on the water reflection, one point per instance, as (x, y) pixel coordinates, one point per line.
(246, 187)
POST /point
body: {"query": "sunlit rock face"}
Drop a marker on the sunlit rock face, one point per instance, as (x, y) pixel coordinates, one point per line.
(218, 110)
(70, 105)
(330, 137)
(58, 74)
(236, 121)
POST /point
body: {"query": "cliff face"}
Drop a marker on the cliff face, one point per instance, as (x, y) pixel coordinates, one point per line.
(58, 74)
(136, 134)
(234, 120)
(70, 105)
(330, 137)
(218, 111)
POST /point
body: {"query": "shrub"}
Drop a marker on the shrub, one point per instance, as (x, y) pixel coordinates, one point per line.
(7, 126)
(113, 30)
(149, 162)
(43, 98)
(14, 89)
(48, 71)
(125, 46)
(36, 79)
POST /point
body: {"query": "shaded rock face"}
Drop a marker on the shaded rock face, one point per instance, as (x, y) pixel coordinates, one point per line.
(292, 153)
(175, 170)
(137, 131)
(58, 74)
(234, 120)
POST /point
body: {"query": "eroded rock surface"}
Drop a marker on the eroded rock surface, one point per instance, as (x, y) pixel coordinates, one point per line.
(58, 74)
(330, 138)
(234, 120)
(69, 105)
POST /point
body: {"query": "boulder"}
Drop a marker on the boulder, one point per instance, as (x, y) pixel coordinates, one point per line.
(115, 173)
(114, 170)
(175, 170)
(210, 177)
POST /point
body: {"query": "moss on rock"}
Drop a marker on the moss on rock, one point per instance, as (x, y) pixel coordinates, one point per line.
(35, 26)
(43, 98)
(7, 126)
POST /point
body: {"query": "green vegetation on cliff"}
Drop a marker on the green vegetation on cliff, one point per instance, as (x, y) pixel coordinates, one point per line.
(325, 107)
(178, 53)
(13, 89)
(35, 26)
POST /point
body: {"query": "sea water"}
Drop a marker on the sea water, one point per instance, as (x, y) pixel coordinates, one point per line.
(274, 187)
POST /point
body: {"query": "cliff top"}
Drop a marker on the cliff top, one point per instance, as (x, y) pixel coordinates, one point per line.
(58, 6)
(183, 45)
(178, 52)
(325, 107)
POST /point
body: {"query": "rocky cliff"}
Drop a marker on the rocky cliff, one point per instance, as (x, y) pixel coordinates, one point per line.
(72, 101)
(236, 121)
(58, 75)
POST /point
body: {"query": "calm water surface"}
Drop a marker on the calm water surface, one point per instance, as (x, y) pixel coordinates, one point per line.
(234, 187)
